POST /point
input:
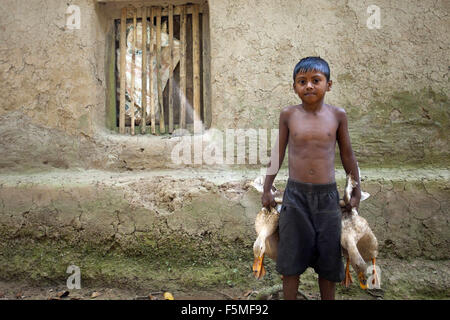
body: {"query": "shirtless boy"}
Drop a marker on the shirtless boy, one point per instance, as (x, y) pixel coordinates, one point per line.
(310, 218)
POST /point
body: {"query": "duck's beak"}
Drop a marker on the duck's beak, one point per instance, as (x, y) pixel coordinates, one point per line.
(258, 268)
(362, 281)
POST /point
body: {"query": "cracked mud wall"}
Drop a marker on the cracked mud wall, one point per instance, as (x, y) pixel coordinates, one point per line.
(392, 81)
(171, 230)
(53, 85)
(408, 216)
(51, 73)
(54, 88)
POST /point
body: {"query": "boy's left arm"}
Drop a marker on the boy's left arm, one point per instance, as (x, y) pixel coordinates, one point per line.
(347, 156)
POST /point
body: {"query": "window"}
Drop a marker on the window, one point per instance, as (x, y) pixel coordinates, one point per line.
(171, 71)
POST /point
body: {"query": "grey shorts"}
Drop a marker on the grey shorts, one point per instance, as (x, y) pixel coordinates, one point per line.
(310, 231)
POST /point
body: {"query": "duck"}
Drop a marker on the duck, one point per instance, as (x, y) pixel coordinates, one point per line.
(266, 227)
(358, 242)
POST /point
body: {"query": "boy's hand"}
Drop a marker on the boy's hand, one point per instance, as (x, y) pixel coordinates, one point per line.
(354, 202)
(268, 200)
(355, 199)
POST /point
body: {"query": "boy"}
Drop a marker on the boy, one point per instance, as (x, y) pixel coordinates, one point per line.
(310, 218)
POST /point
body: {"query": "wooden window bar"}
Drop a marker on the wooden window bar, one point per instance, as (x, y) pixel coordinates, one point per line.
(187, 96)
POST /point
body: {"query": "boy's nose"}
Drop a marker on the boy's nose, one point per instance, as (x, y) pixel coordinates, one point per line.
(309, 85)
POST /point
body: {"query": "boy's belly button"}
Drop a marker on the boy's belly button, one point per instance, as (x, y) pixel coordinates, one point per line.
(311, 171)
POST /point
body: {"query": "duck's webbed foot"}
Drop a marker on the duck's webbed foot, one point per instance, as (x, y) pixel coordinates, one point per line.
(258, 267)
(375, 279)
(348, 277)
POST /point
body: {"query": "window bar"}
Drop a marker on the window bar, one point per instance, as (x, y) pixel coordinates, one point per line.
(133, 70)
(158, 70)
(182, 88)
(198, 57)
(123, 33)
(152, 101)
(170, 68)
(196, 67)
(144, 69)
(205, 65)
(177, 10)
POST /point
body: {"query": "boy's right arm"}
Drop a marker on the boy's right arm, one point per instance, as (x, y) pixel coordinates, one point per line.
(276, 158)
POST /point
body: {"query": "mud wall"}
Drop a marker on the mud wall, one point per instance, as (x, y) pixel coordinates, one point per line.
(409, 217)
(181, 230)
(392, 81)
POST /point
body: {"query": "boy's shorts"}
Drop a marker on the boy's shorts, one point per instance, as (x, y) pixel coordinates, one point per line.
(310, 231)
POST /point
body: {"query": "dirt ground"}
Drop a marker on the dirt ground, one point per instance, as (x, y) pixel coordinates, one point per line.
(22, 291)
(400, 280)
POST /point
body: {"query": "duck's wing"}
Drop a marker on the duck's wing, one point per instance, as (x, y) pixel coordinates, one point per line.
(368, 245)
(270, 223)
(260, 220)
(272, 245)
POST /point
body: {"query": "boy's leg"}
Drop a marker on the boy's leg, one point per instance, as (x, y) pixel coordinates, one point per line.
(327, 289)
(328, 222)
(290, 287)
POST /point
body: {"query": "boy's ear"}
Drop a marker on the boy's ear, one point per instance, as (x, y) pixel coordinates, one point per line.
(330, 84)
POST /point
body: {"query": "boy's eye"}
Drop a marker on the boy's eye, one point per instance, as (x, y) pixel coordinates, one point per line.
(316, 80)
(302, 81)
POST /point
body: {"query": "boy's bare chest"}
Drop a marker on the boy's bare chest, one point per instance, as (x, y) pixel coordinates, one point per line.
(313, 129)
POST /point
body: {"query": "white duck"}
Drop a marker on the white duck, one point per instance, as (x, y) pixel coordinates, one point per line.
(358, 242)
(266, 226)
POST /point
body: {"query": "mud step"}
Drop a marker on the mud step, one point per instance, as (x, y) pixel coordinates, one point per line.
(192, 226)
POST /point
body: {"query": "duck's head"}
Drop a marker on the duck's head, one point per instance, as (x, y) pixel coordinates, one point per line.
(259, 247)
(362, 280)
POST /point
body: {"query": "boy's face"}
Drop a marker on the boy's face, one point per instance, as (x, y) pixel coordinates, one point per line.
(311, 86)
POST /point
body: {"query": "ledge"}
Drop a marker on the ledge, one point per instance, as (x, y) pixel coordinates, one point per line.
(189, 219)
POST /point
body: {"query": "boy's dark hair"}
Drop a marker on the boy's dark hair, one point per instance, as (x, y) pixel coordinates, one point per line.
(312, 64)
